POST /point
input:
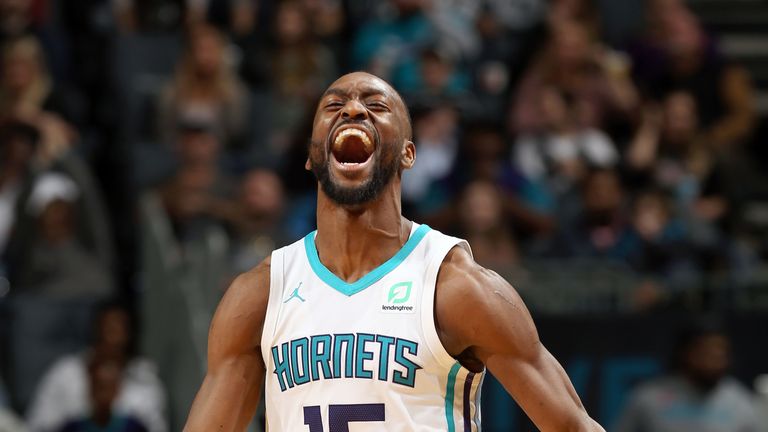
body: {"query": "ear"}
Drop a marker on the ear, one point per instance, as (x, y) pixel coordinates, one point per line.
(408, 156)
(307, 165)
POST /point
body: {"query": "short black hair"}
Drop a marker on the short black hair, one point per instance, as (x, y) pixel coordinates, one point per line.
(697, 329)
(693, 331)
(119, 304)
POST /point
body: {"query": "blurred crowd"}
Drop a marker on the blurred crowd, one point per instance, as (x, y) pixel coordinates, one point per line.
(151, 150)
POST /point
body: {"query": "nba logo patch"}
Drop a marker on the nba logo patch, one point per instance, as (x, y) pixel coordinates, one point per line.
(398, 298)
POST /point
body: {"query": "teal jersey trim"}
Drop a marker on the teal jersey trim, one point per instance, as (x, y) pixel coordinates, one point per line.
(449, 390)
(373, 276)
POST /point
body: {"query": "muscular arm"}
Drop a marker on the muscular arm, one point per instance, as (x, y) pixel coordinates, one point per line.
(500, 334)
(231, 389)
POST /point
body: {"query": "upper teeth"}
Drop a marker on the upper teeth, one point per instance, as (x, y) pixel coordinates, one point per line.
(356, 132)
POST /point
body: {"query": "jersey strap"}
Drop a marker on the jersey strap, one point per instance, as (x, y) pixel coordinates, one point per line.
(273, 305)
(439, 248)
(461, 392)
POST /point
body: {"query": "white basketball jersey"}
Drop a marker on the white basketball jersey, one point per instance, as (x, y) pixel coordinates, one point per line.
(363, 356)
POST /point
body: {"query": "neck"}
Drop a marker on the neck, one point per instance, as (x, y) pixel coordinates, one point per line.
(353, 241)
(101, 416)
(111, 353)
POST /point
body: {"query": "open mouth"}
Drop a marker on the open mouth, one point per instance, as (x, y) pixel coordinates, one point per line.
(352, 146)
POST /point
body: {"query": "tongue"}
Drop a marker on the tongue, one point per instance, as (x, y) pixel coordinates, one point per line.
(351, 150)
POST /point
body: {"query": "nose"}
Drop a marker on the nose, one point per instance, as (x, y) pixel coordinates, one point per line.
(354, 110)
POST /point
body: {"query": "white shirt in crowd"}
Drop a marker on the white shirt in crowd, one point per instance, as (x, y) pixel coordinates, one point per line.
(63, 395)
(534, 154)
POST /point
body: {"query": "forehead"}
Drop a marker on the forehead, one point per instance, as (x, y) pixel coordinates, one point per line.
(361, 84)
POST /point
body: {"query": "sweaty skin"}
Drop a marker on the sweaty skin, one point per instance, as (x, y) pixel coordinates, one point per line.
(499, 334)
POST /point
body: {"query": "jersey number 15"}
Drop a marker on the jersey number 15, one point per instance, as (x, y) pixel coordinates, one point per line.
(339, 416)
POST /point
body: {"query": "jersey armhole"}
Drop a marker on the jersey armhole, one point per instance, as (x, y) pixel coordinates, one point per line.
(273, 302)
(428, 326)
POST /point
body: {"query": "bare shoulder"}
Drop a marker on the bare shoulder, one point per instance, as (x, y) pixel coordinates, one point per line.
(482, 322)
(239, 318)
(478, 310)
(461, 281)
(249, 289)
(252, 284)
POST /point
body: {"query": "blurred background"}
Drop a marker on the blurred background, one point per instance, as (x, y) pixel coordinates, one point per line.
(608, 158)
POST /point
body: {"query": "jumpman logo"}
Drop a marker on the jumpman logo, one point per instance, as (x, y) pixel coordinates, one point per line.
(295, 294)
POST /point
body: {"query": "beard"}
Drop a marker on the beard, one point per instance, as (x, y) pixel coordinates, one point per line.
(366, 192)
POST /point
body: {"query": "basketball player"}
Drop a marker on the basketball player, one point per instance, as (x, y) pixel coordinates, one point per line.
(373, 322)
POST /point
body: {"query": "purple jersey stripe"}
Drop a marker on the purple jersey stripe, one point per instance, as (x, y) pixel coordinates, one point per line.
(467, 406)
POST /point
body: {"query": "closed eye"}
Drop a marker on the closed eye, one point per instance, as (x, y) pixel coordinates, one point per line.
(378, 106)
(334, 105)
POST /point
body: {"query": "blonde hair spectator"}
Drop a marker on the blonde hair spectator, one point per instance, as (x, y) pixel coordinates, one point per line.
(205, 86)
(25, 83)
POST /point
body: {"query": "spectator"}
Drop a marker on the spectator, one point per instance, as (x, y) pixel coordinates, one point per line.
(27, 95)
(16, 18)
(328, 23)
(186, 229)
(491, 72)
(663, 236)
(487, 36)
(300, 67)
(293, 70)
(57, 264)
(670, 151)
(261, 230)
(130, 389)
(436, 133)
(33, 18)
(18, 143)
(677, 54)
(199, 194)
(205, 86)
(437, 75)
(600, 227)
(573, 63)
(104, 385)
(483, 156)
(662, 253)
(394, 40)
(525, 204)
(482, 223)
(55, 158)
(27, 89)
(188, 223)
(697, 395)
(564, 149)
